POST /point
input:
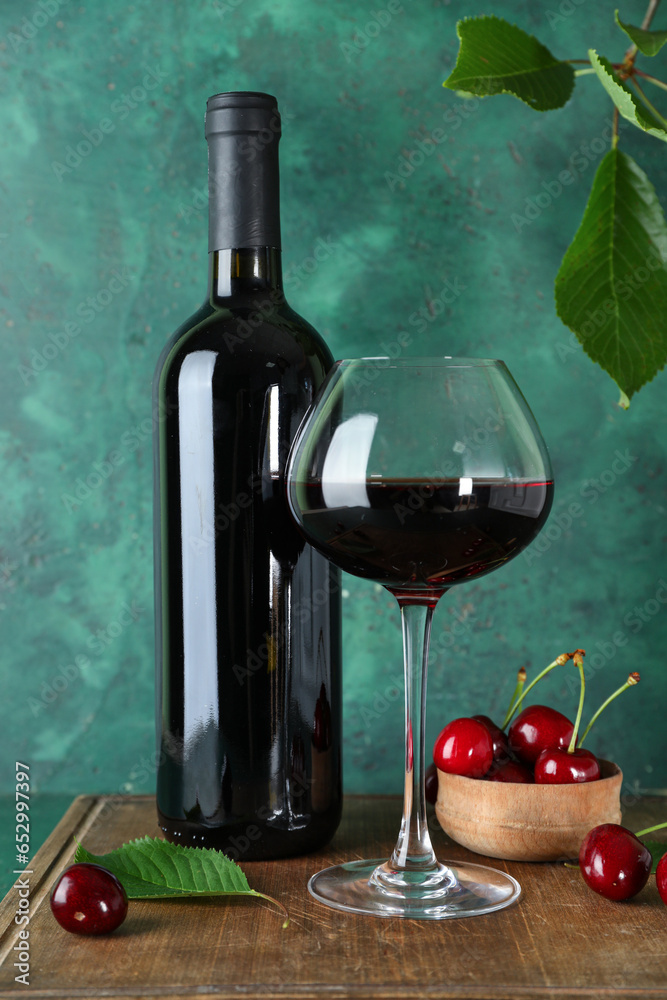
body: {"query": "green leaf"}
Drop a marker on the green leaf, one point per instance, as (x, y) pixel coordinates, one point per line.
(648, 42)
(498, 58)
(611, 288)
(150, 868)
(153, 867)
(628, 105)
(657, 849)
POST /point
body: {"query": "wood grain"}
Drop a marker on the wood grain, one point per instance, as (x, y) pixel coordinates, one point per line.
(560, 940)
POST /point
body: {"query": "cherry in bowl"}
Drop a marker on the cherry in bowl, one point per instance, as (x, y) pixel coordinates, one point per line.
(501, 750)
(464, 747)
(566, 767)
(539, 728)
(511, 771)
(431, 784)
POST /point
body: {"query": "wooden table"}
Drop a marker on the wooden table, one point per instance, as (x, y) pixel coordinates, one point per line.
(559, 940)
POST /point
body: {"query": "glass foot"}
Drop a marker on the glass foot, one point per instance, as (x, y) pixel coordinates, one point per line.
(456, 890)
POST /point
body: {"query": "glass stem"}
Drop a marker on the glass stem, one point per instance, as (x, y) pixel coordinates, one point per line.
(413, 851)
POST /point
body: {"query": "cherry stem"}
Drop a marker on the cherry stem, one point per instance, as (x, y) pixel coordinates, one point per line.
(631, 681)
(579, 663)
(650, 12)
(275, 902)
(516, 701)
(651, 829)
(518, 690)
(648, 103)
(651, 79)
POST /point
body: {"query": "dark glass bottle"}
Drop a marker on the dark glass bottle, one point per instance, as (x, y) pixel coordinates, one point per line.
(247, 614)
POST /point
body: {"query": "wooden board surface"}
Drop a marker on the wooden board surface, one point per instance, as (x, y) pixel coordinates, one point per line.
(559, 940)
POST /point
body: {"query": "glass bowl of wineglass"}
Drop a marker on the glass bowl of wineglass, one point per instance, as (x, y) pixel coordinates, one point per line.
(419, 474)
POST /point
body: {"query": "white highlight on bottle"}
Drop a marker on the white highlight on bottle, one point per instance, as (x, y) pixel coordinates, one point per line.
(195, 400)
(274, 431)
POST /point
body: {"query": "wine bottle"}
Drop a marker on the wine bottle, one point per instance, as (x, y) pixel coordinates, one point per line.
(247, 613)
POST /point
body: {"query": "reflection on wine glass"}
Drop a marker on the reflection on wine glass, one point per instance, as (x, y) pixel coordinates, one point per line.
(418, 474)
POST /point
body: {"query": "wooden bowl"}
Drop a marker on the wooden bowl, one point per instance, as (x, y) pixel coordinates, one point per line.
(526, 822)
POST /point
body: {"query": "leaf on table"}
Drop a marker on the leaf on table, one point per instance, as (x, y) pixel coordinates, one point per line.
(151, 864)
(648, 42)
(496, 57)
(149, 868)
(611, 288)
(657, 849)
(628, 105)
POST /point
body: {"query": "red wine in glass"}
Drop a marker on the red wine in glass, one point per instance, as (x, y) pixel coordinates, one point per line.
(416, 535)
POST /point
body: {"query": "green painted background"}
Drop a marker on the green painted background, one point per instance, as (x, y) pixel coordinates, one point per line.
(101, 259)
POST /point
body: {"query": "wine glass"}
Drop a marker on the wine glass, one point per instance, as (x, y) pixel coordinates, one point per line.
(419, 474)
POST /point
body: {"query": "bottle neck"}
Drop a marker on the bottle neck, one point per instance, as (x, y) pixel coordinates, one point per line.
(245, 273)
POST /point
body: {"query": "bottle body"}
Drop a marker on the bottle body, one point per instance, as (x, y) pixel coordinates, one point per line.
(247, 614)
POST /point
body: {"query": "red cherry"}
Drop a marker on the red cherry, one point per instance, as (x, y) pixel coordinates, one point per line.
(661, 878)
(538, 728)
(431, 784)
(559, 767)
(614, 862)
(464, 747)
(511, 771)
(88, 899)
(501, 750)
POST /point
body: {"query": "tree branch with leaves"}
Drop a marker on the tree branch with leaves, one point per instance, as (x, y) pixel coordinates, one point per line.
(611, 287)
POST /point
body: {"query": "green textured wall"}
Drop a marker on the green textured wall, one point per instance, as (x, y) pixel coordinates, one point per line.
(102, 258)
